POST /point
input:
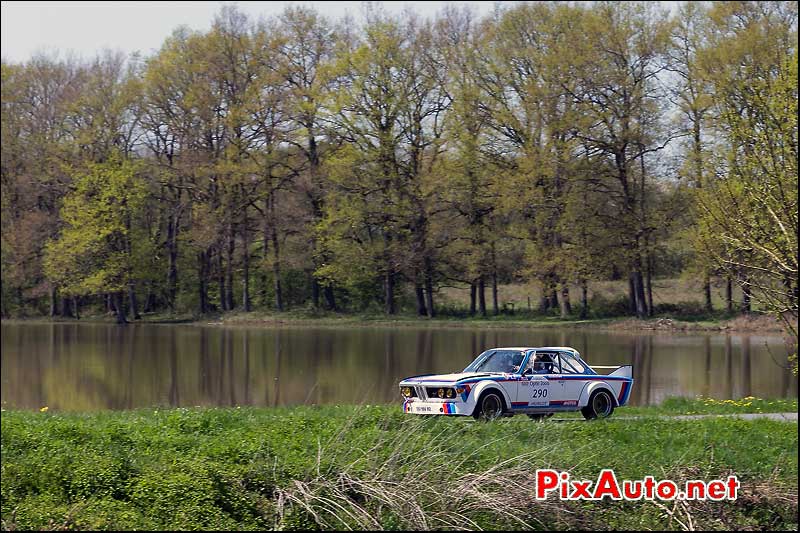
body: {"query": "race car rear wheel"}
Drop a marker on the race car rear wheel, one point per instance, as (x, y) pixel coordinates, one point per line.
(490, 406)
(600, 405)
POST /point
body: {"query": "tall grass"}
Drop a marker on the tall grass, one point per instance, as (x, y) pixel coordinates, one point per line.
(374, 468)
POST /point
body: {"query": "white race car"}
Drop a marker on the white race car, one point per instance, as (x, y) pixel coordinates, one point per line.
(533, 381)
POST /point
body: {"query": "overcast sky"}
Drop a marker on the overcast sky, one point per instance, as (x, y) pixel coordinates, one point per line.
(84, 28)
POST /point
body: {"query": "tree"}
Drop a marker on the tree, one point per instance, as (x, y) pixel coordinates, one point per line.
(96, 251)
(748, 215)
(693, 98)
(616, 57)
(305, 47)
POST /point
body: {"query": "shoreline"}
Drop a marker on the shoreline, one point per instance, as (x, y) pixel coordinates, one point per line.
(759, 324)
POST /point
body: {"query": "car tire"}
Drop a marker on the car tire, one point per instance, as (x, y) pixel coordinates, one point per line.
(600, 405)
(489, 407)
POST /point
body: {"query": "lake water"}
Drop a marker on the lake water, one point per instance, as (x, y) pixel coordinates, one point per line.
(98, 366)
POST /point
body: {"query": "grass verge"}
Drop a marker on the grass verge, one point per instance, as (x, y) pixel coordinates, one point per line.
(373, 467)
(306, 318)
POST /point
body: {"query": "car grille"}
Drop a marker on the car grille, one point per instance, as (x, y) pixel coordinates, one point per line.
(421, 393)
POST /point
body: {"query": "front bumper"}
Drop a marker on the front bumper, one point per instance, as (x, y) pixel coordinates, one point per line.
(422, 407)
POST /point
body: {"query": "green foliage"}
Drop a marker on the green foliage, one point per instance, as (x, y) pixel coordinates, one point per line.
(748, 223)
(242, 468)
(298, 162)
(98, 247)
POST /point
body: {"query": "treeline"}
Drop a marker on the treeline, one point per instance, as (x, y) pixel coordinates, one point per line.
(300, 161)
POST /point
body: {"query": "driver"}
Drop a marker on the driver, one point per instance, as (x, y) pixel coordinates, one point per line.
(543, 364)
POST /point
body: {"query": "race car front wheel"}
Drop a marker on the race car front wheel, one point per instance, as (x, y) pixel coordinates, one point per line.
(600, 406)
(489, 407)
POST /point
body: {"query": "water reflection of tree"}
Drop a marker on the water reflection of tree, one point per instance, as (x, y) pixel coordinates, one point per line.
(707, 374)
(229, 352)
(246, 350)
(102, 366)
(728, 367)
(206, 385)
(746, 366)
(276, 379)
(642, 370)
(174, 398)
(129, 381)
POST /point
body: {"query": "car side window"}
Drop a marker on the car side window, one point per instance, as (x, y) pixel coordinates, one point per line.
(542, 363)
(570, 365)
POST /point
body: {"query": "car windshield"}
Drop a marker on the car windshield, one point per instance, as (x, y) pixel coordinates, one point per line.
(497, 361)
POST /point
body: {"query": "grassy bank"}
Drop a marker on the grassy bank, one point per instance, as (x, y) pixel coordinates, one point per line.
(305, 318)
(372, 467)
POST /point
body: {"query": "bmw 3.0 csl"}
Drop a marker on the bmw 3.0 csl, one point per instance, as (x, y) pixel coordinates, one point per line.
(533, 381)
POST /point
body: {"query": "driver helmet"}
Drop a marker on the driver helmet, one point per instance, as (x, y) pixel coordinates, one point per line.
(544, 363)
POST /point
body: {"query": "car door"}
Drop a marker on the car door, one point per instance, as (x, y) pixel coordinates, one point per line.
(557, 382)
(512, 380)
(572, 375)
(539, 388)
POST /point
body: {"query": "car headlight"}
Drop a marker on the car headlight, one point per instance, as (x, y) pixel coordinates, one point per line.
(460, 390)
(406, 391)
(440, 394)
(450, 393)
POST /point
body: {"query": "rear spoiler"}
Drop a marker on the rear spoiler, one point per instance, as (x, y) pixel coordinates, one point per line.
(624, 371)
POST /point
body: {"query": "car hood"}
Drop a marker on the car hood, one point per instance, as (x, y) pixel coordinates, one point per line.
(450, 378)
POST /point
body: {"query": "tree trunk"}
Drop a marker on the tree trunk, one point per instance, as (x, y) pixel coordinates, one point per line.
(481, 296)
(133, 302)
(473, 290)
(544, 300)
(223, 301)
(150, 301)
(330, 297)
(631, 294)
(746, 307)
(246, 305)
(495, 304)
(388, 285)
(202, 285)
(119, 308)
(315, 291)
(697, 148)
(53, 302)
(420, 294)
(66, 307)
(229, 270)
(172, 275)
(584, 299)
(566, 307)
(276, 270)
(76, 307)
(728, 294)
(649, 282)
(429, 287)
(641, 304)
(554, 298)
